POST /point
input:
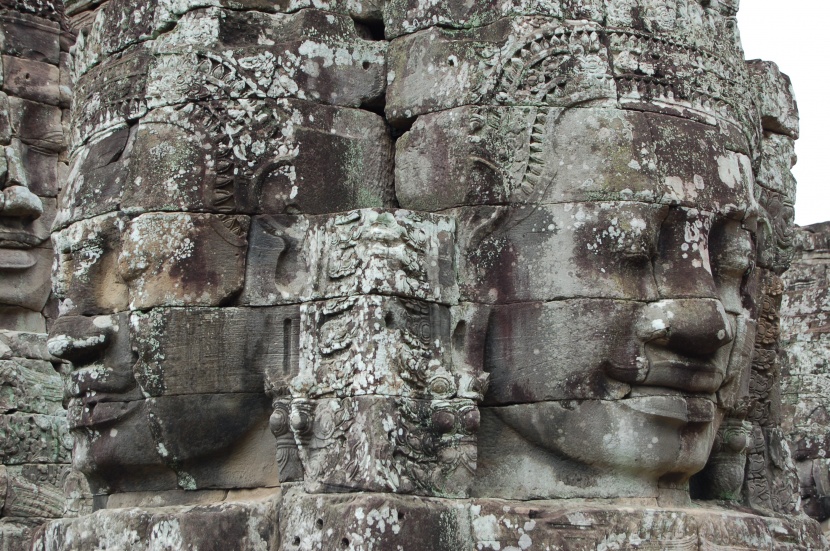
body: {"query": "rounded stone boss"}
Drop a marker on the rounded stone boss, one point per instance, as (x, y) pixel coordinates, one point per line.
(565, 305)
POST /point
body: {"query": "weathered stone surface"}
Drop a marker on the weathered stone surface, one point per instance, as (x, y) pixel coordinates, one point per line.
(609, 250)
(277, 268)
(30, 386)
(777, 159)
(246, 157)
(375, 443)
(246, 526)
(32, 80)
(545, 155)
(376, 345)
(308, 55)
(86, 279)
(36, 124)
(33, 438)
(30, 37)
(313, 55)
(568, 293)
(191, 441)
(372, 522)
(382, 521)
(34, 491)
(200, 261)
(214, 350)
(776, 99)
(397, 252)
(440, 69)
(25, 277)
(805, 384)
(688, 19)
(560, 525)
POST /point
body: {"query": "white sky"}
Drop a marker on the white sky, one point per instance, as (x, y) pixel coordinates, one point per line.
(794, 35)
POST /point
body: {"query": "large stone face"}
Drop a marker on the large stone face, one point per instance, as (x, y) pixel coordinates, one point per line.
(35, 445)
(451, 275)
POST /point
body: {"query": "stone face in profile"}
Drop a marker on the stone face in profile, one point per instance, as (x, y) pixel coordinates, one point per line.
(187, 229)
(35, 444)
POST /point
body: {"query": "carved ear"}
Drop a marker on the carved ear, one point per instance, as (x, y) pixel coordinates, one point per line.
(476, 224)
(469, 333)
(263, 172)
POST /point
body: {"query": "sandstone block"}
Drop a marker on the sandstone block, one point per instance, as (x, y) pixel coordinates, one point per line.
(42, 170)
(100, 346)
(183, 259)
(385, 252)
(192, 442)
(35, 491)
(277, 269)
(375, 345)
(550, 155)
(336, 66)
(260, 157)
(777, 159)
(30, 386)
(569, 250)
(30, 37)
(210, 443)
(774, 92)
(375, 443)
(524, 366)
(86, 278)
(687, 20)
(555, 524)
(96, 177)
(30, 345)
(34, 438)
(776, 231)
(32, 80)
(676, 77)
(109, 95)
(36, 124)
(246, 526)
(436, 69)
(373, 521)
(25, 279)
(214, 350)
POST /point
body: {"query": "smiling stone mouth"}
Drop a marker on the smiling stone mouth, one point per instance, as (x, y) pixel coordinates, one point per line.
(18, 239)
(16, 259)
(683, 409)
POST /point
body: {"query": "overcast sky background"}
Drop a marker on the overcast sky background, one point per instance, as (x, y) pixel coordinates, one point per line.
(794, 35)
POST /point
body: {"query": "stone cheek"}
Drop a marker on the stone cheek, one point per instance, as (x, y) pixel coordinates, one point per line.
(183, 259)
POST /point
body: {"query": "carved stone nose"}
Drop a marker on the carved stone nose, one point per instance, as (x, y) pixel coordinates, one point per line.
(76, 338)
(19, 201)
(696, 327)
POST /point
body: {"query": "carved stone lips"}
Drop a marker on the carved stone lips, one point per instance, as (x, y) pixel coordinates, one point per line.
(676, 408)
(100, 383)
(16, 259)
(690, 376)
(88, 414)
(14, 238)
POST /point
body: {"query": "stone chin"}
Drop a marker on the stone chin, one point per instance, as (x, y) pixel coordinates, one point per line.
(647, 436)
